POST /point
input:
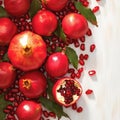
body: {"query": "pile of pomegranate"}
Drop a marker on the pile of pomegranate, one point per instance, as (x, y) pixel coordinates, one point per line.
(39, 70)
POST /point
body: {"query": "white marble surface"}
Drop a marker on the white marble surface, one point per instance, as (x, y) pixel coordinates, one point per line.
(104, 104)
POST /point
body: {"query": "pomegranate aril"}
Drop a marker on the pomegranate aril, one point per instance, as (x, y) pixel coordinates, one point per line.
(95, 9)
(81, 56)
(92, 47)
(89, 32)
(74, 106)
(45, 113)
(86, 57)
(78, 75)
(71, 70)
(91, 72)
(86, 3)
(72, 75)
(82, 39)
(82, 47)
(79, 109)
(82, 62)
(52, 114)
(88, 92)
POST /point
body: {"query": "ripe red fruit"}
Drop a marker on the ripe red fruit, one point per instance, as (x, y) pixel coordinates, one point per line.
(7, 74)
(55, 5)
(29, 110)
(7, 31)
(57, 64)
(74, 25)
(44, 22)
(67, 91)
(32, 84)
(27, 51)
(17, 7)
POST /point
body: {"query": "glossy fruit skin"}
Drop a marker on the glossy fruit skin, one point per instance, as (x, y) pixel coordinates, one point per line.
(29, 110)
(32, 84)
(7, 75)
(17, 7)
(29, 56)
(7, 30)
(44, 23)
(57, 64)
(74, 25)
(55, 5)
(58, 84)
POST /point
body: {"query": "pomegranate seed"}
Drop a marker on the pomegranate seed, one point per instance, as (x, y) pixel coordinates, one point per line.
(88, 92)
(89, 32)
(72, 75)
(78, 75)
(92, 72)
(79, 109)
(71, 70)
(80, 70)
(81, 56)
(82, 62)
(92, 47)
(45, 113)
(6, 111)
(82, 39)
(86, 56)
(74, 106)
(52, 114)
(82, 47)
(95, 9)
(86, 3)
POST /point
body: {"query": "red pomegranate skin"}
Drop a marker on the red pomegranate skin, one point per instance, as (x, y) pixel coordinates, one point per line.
(27, 51)
(7, 30)
(57, 64)
(74, 25)
(58, 84)
(29, 110)
(7, 75)
(44, 22)
(55, 5)
(17, 7)
(32, 84)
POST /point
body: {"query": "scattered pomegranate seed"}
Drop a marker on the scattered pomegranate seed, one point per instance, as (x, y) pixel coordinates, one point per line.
(92, 72)
(82, 62)
(92, 47)
(82, 47)
(79, 109)
(86, 56)
(45, 113)
(89, 32)
(88, 92)
(86, 3)
(95, 9)
(74, 106)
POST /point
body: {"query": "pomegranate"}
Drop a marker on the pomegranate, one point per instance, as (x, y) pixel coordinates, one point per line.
(57, 64)
(74, 25)
(7, 30)
(32, 84)
(27, 51)
(44, 22)
(29, 110)
(67, 91)
(7, 75)
(55, 5)
(17, 7)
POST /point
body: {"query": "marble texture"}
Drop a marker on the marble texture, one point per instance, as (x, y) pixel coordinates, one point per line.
(104, 104)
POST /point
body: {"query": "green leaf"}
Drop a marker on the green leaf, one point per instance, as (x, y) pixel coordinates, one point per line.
(3, 104)
(35, 6)
(72, 56)
(59, 32)
(54, 107)
(3, 12)
(5, 58)
(86, 12)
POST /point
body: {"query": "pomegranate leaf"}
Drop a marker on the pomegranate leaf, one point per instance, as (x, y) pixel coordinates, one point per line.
(35, 6)
(72, 56)
(5, 58)
(3, 12)
(54, 107)
(86, 12)
(59, 32)
(3, 104)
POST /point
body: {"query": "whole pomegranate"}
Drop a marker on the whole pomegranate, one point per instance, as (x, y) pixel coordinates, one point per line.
(32, 84)
(67, 91)
(55, 5)
(57, 64)
(17, 7)
(7, 30)
(27, 51)
(44, 23)
(74, 25)
(7, 75)
(29, 110)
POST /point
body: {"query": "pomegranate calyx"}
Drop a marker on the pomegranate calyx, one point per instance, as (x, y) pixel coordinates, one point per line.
(27, 50)
(27, 83)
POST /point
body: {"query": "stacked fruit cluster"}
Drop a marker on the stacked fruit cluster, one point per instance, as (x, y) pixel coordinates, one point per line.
(37, 65)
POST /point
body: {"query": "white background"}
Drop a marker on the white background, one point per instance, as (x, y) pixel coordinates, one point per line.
(104, 104)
